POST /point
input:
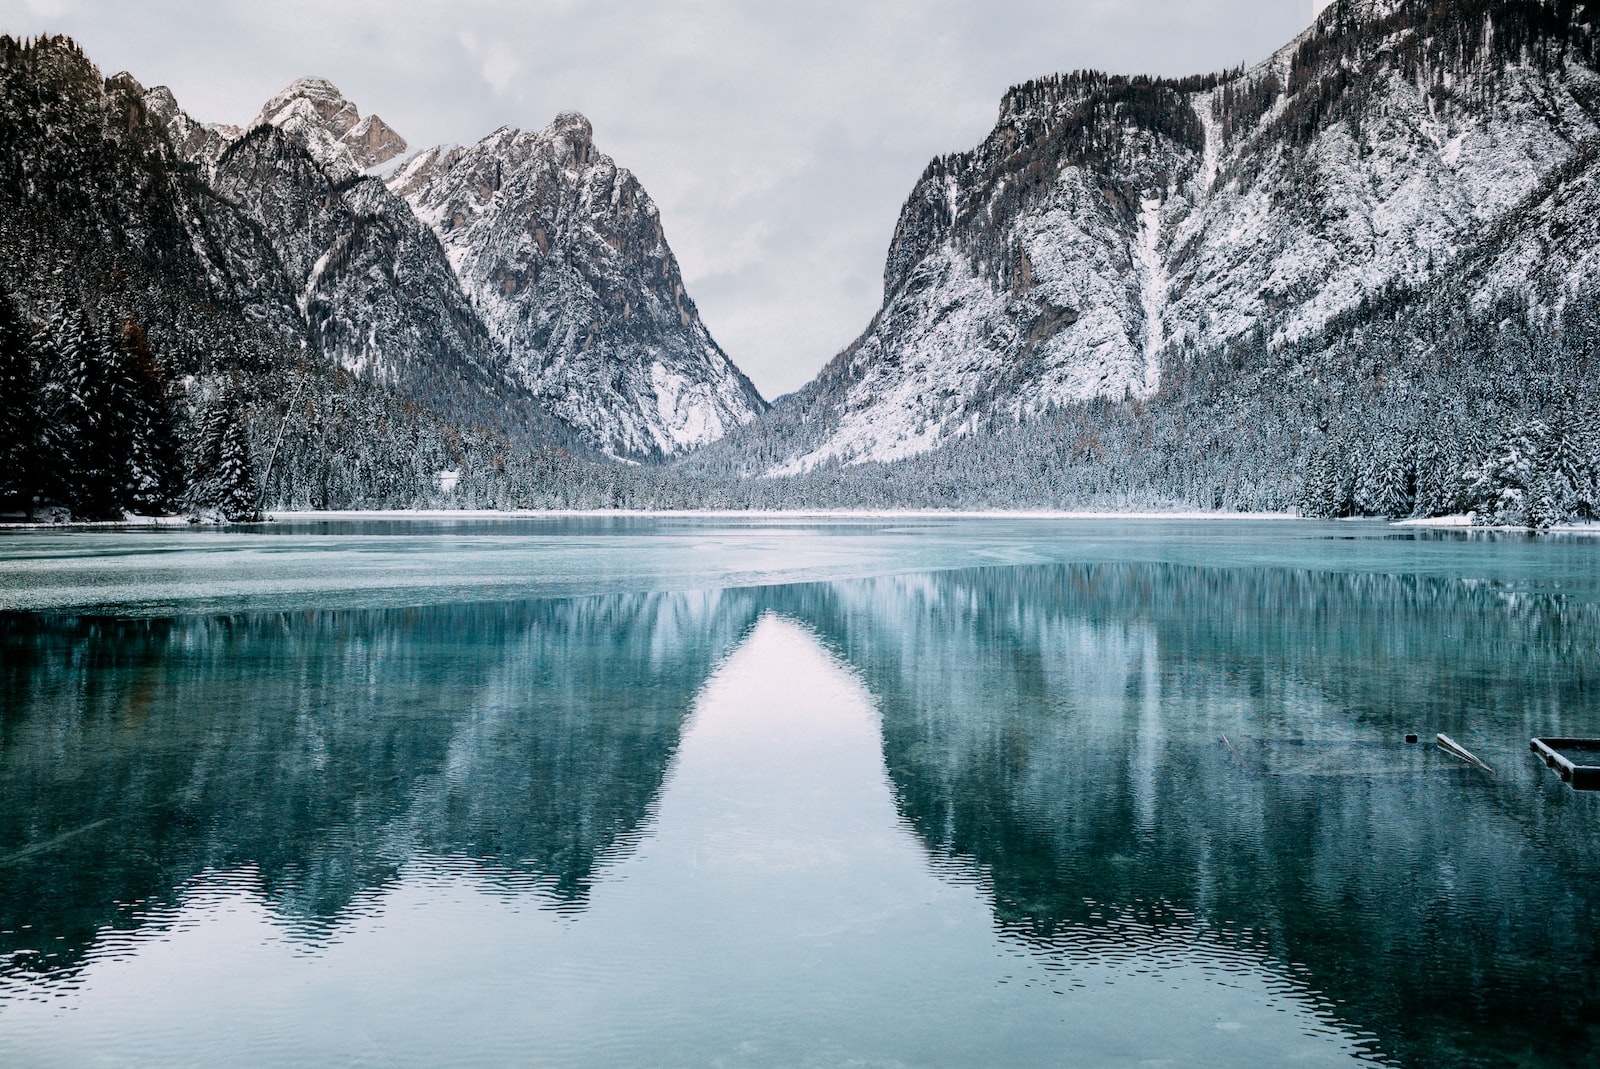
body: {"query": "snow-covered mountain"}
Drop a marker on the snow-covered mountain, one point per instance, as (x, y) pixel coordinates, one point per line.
(187, 305)
(537, 265)
(529, 260)
(1110, 227)
(316, 115)
(1359, 277)
(371, 285)
(564, 257)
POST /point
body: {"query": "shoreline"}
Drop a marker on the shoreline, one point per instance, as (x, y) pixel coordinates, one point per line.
(1041, 514)
(290, 516)
(305, 516)
(1462, 522)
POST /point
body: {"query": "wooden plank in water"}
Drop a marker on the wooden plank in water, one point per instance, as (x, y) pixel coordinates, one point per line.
(1577, 760)
(1455, 749)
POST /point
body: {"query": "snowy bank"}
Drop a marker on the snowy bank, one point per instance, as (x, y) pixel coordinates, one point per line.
(1464, 523)
(996, 514)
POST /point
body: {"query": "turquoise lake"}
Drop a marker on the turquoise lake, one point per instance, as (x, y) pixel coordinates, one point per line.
(588, 791)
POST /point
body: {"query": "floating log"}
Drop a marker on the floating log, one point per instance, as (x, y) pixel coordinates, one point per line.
(1455, 749)
(1577, 760)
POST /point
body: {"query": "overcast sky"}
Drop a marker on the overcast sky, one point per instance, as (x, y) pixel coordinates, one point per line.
(778, 138)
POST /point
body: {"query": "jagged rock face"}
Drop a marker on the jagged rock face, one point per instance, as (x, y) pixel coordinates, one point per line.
(316, 115)
(372, 283)
(1019, 274)
(201, 143)
(563, 255)
(239, 253)
(1108, 226)
(571, 293)
(1392, 139)
(99, 211)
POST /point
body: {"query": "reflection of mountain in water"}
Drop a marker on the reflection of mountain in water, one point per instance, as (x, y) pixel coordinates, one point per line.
(1110, 745)
(325, 749)
(1062, 730)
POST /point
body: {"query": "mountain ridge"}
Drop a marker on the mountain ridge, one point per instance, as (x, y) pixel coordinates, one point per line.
(291, 308)
(1109, 223)
(565, 257)
(1356, 278)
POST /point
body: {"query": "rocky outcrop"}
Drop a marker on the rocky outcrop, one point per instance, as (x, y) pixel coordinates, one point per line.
(317, 116)
(564, 257)
(197, 142)
(371, 283)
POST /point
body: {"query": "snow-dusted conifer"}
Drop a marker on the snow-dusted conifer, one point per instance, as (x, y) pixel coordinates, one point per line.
(1327, 491)
(222, 474)
(149, 472)
(19, 408)
(78, 451)
(1500, 488)
(1385, 485)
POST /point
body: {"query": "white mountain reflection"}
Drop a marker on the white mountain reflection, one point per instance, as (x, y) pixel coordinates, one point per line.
(778, 911)
(538, 820)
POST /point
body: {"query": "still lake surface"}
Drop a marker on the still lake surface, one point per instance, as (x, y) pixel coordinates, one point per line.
(578, 791)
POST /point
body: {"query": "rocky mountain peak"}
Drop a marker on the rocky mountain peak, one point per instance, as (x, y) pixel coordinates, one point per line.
(574, 126)
(1110, 228)
(310, 100)
(572, 138)
(317, 115)
(1354, 12)
(563, 255)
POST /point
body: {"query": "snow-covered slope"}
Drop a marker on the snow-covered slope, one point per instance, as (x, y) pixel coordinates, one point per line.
(1548, 251)
(346, 262)
(1109, 226)
(529, 263)
(1393, 141)
(563, 255)
(372, 285)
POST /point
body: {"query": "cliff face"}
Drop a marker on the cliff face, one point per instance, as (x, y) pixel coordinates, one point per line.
(564, 258)
(99, 212)
(315, 114)
(371, 283)
(1109, 227)
(242, 289)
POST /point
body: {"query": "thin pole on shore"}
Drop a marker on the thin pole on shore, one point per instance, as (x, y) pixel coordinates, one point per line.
(283, 425)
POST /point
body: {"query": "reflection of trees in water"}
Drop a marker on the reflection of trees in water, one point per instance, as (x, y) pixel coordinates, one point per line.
(322, 750)
(1057, 727)
(1061, 730)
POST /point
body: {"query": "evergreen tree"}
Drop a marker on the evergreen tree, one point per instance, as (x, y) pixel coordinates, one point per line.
(1386, 484)
(1499, 489)
(222, 473)
(78, 459)
(150, 474)
(19, 409)
(1565, 469)
(1327, 490)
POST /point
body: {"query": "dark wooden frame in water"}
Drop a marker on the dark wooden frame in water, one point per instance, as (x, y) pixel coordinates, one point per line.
(1582, 777)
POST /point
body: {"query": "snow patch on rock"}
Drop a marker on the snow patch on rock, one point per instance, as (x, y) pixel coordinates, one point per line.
(566, 262)
(331, 128)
